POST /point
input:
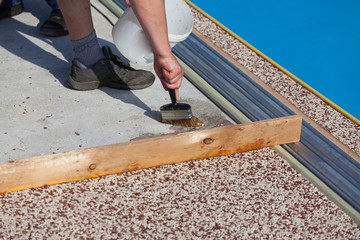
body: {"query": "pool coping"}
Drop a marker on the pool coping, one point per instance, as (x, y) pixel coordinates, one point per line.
(281, 98)
(284, 153)
(254, 194)
(288, 73)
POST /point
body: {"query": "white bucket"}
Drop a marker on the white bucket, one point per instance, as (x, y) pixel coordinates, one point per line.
(131, 41)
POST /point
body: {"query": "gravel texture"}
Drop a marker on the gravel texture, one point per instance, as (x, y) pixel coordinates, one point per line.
(252, 195)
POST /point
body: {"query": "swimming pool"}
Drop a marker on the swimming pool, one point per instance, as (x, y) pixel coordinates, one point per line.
(317, 41)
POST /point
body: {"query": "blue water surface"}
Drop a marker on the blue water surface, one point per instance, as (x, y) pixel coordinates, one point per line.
(316, 40)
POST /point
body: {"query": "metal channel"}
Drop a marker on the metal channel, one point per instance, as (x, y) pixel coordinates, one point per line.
(328, 162)
(315, 156)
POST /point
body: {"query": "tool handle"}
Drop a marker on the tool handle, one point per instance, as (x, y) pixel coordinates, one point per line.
(172, 96)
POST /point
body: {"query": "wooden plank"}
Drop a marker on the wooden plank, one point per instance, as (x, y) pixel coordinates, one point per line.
(145, 153)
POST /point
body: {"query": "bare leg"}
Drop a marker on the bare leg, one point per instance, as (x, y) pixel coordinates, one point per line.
(90, 69)
(77, 15)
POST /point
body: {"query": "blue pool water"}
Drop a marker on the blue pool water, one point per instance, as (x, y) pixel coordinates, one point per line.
(316, 40)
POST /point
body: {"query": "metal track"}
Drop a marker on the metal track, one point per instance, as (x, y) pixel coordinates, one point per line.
(332, 166)
(328, 162)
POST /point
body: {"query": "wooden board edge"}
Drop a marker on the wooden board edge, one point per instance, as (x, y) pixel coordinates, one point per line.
(98, 161)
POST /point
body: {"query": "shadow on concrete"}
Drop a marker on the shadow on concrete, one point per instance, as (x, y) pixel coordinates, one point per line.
(16, 38)
(129, 97)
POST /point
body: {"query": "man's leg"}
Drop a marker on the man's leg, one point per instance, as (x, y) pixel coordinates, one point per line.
(83, 37)
(94, 66)
(77, 16)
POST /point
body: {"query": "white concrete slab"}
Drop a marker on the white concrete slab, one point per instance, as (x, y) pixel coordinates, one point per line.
(39, 114)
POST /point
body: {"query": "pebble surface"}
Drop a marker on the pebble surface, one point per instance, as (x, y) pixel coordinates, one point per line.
(252, 195)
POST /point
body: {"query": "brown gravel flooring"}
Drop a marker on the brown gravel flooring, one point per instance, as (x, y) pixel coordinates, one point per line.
(253, 195)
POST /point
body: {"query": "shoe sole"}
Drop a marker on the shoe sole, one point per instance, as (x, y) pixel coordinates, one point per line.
(96, 84)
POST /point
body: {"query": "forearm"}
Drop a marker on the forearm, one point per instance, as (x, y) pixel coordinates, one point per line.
(152, 17)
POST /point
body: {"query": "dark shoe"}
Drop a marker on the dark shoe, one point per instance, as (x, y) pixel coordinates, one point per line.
(11, 11)
(110, 72)
(55, 25)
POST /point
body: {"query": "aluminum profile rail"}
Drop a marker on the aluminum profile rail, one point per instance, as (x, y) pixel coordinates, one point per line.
(328, 162)
(334, 171)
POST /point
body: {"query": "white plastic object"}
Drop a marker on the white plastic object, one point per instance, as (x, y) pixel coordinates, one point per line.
(131, 41)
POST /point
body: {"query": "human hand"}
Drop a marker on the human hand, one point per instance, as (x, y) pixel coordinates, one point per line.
(169, 72)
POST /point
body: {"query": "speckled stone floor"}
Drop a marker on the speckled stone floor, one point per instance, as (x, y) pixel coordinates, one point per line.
(253, 195)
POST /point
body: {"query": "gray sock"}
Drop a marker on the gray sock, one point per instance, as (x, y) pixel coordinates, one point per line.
(87, 50)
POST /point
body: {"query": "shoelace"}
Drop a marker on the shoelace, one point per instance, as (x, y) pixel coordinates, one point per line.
(115, 59)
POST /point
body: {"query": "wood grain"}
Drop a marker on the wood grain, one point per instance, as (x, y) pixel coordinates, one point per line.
(145, 153)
